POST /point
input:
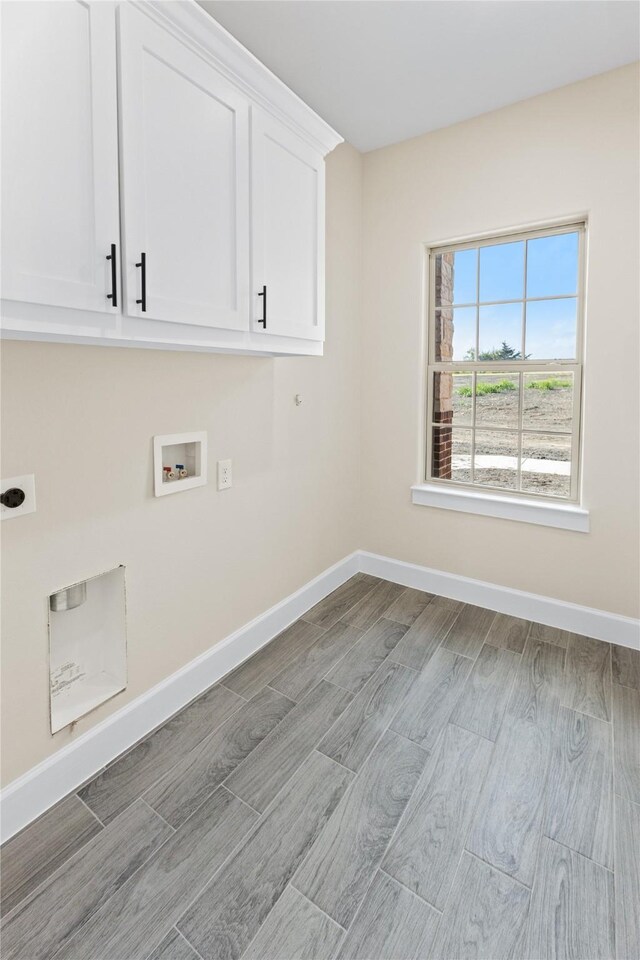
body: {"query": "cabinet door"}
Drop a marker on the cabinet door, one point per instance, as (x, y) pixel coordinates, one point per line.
(287, 222)
(185, 181)
(59, 153)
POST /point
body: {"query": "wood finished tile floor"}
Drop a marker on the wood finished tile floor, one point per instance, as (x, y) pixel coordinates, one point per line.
(396, 776)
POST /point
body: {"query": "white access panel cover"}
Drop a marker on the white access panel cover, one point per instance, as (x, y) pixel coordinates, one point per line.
(88, 649)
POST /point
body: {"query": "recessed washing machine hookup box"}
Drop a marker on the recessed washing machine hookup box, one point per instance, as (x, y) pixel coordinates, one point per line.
(179, 462)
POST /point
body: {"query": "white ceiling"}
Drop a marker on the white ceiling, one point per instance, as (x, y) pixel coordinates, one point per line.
(380, 71)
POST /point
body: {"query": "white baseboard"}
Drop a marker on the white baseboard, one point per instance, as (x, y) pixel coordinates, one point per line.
(610, 627)
(45, 784)
(41, 787)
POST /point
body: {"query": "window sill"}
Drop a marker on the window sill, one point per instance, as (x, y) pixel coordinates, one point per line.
(564, 516)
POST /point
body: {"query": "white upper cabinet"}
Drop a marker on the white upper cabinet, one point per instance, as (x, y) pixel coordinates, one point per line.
(160, 186)
(185, 182)
(59, 153)
(287, 224)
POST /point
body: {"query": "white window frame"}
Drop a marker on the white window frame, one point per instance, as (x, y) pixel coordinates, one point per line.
(432, 489)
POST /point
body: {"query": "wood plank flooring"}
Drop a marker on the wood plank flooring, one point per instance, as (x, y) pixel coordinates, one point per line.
(338, 870)
(572, 910)
(427, 846)
(588, 677)
(56, 836)
(396, 776)
(485, 916)
(174, 947)
(146, 907)
(295, 928)
(627, 878)
(60, 906)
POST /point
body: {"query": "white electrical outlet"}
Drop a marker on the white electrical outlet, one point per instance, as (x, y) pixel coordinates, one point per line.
(27, 484)
(225, 477)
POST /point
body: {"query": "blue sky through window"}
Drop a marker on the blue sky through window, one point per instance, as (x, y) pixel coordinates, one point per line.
(551, 329)
(465, 276)
(501, 322)
(551, 272)
(502, 272)
(552, 265)
(464, 331)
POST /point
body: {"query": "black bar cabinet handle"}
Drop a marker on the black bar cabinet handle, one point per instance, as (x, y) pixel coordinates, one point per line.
(113, 296)
(143, 282)
(264, 307)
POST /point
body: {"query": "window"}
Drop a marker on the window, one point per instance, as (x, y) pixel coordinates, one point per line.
(505, 370)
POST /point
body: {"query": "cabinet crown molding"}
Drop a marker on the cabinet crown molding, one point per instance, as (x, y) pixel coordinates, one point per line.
(198, 29)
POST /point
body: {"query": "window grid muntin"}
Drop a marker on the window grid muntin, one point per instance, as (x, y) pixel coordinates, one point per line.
(523, 332)
(499, 303)
(520, 366)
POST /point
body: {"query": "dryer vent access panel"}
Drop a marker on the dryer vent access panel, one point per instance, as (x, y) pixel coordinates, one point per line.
(87, 646)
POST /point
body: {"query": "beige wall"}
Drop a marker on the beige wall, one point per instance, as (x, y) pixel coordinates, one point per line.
(201, 564)
(572, 151)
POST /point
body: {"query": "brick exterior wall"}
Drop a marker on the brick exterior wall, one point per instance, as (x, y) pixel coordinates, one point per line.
(443, 382)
